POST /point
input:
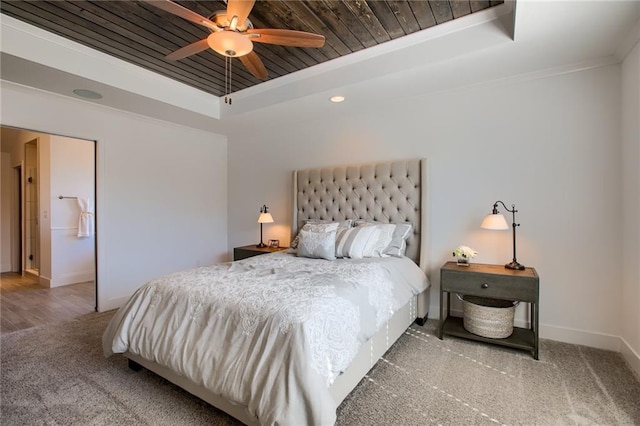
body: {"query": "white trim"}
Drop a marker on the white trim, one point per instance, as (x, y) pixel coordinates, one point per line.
(631, 356)
(45, 281)
(73, 278)
(114, 303)
(580, 337)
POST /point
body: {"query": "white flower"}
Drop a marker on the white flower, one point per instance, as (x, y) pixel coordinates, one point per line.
(464, 251)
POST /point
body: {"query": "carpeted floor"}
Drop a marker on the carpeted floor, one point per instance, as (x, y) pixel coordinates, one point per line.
(57, 375)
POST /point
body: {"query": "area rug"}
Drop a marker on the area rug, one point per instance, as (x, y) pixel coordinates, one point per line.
(57, 375)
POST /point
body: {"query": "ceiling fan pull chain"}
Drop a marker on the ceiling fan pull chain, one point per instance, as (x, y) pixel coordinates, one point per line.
(226, 79)
(230, 78)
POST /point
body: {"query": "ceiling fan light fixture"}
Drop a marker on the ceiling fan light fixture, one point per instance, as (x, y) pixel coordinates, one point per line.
(230, 43)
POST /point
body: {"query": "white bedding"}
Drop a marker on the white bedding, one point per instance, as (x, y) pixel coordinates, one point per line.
(271, 332)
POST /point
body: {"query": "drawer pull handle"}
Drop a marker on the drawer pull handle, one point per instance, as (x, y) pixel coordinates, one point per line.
(484, 285)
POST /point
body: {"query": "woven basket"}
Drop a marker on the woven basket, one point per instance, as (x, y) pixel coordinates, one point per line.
(488, 317)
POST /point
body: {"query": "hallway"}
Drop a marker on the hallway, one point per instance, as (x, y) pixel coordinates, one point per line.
(24, 303)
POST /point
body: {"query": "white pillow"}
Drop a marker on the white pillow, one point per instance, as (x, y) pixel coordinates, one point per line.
(380, 241)
(353, 242)
(398, 245)
(317, 245)
(319, 225)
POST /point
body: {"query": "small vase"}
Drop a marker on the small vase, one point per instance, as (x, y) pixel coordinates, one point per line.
(463, 261)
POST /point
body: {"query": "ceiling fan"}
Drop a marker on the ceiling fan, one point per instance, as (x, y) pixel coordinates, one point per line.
(232, 34)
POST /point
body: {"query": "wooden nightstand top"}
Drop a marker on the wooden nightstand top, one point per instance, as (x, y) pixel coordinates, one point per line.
(481, 268)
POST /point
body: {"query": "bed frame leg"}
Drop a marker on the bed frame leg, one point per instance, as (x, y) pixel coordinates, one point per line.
(134, 366)
(422, 320)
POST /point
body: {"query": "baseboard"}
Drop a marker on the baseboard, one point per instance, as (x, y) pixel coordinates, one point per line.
(110, 304)
(580, 337)
(45, 281)
(73, 278)
(631, 356)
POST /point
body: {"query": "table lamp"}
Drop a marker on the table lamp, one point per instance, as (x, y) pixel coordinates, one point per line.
(265, 217)
(496, 221)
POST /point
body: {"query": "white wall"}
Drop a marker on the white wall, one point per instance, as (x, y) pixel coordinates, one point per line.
(631, 208)
(72, 175)
(162, 188)
(549, 145)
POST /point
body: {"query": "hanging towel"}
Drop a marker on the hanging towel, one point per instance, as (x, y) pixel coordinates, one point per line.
(86, 223)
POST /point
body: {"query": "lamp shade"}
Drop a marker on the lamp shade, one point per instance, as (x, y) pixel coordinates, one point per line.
(230, 43)
(494, 222)
(265, 218)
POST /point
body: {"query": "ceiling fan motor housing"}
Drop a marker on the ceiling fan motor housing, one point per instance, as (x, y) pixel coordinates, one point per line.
(219, 18)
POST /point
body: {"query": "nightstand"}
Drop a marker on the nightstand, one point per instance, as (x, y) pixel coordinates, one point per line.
(240, 253)
(495, 282)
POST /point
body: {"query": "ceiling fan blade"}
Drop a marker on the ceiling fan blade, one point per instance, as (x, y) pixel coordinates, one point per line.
(183, 12)
(286, 37)
(254, 65)
(189, 50)
(239, 8)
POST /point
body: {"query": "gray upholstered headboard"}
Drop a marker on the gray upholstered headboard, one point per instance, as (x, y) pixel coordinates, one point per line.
(389, 192)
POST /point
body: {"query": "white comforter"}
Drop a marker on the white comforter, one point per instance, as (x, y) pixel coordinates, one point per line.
(271, 332)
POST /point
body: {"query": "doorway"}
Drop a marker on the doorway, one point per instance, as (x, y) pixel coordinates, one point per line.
(52, 177)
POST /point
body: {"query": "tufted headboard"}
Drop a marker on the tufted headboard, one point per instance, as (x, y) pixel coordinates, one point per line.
(389, 192)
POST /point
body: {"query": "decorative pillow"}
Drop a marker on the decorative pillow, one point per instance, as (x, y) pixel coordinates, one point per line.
(317, 245)
(398, 245)
(308, 225)
(377, 246)
(347, 223)
(352, 242)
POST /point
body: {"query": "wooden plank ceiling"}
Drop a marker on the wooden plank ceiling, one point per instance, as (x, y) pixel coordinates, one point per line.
(142, 34)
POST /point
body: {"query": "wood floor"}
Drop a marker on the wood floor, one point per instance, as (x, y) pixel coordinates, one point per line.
(24, 303)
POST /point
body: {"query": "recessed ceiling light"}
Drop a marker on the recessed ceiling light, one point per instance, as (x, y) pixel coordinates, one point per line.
(87, 94)
(336, 99)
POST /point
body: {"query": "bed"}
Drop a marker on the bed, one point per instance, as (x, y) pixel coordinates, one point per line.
(283, 338)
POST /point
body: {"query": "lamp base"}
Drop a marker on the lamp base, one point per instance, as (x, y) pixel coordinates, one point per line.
(262, 245)
(514, 265)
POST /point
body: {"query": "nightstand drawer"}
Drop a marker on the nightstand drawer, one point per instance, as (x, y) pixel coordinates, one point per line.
(514, 286)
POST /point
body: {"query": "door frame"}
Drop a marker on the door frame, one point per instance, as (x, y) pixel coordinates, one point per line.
(17, 220)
